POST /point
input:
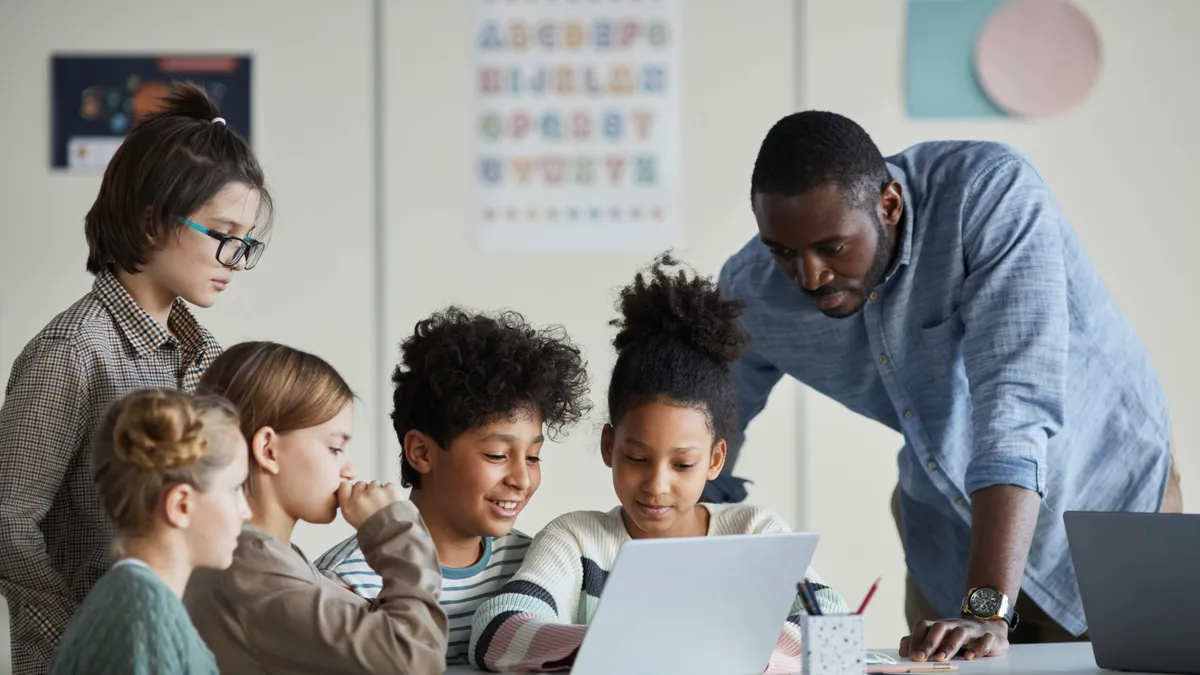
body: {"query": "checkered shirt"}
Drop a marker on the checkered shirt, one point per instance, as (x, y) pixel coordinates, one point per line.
(56, 540)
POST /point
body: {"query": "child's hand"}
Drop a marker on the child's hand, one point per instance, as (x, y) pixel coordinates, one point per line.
(360, 501)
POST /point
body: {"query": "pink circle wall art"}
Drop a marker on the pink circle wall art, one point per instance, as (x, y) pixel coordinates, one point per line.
(1037, 58)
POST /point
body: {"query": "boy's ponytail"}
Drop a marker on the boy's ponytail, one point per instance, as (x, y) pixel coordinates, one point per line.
(172, 162)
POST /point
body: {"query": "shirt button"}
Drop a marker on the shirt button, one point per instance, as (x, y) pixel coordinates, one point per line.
(931, 465)
(873, 296)
(908, 414)
(883, 358)
(960, 501)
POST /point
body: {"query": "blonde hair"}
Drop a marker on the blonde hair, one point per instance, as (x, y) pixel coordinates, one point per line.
(276, 386)
(150, 441)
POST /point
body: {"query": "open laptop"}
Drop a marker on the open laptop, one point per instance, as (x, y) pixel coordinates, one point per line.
(1139, 576)
(698, 605)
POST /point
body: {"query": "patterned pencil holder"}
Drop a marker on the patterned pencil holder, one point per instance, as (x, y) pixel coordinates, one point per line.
(833, 645)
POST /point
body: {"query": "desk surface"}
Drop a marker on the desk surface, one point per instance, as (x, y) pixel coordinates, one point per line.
(1054, 659)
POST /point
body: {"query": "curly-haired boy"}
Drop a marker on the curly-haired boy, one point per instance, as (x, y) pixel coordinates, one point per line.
(475, 397)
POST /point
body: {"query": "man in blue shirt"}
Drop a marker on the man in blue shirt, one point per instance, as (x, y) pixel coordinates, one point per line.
(941, 292)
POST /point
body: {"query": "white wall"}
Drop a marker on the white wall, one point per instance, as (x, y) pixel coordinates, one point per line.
(311, 126)
(311, 123)
(1123, 166)
(743, 51)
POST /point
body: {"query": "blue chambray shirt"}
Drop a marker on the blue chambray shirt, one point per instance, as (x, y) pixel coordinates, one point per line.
(993, 346)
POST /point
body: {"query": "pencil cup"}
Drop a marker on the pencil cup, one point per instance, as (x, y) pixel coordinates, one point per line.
(833, 644)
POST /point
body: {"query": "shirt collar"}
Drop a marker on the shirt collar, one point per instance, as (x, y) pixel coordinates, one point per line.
(196, 340)
(140, 329)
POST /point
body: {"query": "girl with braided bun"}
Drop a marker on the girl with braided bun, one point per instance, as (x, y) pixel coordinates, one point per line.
(169, 468)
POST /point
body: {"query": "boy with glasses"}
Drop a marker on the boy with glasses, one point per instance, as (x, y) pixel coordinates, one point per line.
(132, 331)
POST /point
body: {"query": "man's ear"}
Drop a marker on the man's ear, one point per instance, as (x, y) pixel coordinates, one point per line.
(891, 206)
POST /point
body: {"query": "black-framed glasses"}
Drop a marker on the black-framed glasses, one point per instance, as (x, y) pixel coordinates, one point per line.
(231, 249)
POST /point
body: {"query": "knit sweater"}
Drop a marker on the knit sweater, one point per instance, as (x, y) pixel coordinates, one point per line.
(538, 620)
(132, 624)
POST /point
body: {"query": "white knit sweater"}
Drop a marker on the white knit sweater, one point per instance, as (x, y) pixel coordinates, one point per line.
(539, 618)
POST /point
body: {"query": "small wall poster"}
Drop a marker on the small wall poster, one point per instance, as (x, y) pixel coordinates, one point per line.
(98, 98)
(577, 125)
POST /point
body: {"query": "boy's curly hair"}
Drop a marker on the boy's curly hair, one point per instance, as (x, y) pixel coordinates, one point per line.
(461, 370)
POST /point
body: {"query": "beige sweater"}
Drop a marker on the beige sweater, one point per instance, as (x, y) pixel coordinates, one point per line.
(273, 612)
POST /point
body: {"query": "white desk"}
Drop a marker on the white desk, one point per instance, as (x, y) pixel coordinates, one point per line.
(1058, 659)
(1055, 659)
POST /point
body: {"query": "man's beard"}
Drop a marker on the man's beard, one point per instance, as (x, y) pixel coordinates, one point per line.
(879, 265)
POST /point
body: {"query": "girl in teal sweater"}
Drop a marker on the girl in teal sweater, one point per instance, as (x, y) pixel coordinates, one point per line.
(169, 468)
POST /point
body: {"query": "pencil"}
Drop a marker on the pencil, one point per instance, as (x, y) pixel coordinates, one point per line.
(812, 597)
(802, 591)
(870, 594)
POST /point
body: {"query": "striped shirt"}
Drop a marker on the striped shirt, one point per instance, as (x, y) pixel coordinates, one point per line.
(57, 540)
(539, 618)
(464, 589)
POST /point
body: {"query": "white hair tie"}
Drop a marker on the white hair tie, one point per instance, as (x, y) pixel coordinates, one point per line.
(218, 119)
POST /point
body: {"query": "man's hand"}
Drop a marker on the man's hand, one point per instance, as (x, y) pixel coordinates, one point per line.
(1002, 525)
(941, 640)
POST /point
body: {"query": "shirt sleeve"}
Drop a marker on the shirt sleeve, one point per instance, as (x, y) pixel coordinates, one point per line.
(529, 625)
(42, 425)
(1016, 324)
(354, 573)
(306, 627)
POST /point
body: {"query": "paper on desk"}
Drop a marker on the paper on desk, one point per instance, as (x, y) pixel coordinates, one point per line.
(875, 658)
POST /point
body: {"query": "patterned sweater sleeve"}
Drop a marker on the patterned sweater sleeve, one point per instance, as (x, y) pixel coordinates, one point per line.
(529, 624)
(786, 656)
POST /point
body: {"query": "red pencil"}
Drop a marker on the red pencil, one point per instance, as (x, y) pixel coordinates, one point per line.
(863, 607)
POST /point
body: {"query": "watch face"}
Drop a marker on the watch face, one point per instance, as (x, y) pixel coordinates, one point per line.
(984, 602)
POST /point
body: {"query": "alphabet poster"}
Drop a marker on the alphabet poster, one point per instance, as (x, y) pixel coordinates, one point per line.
(577, 127)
